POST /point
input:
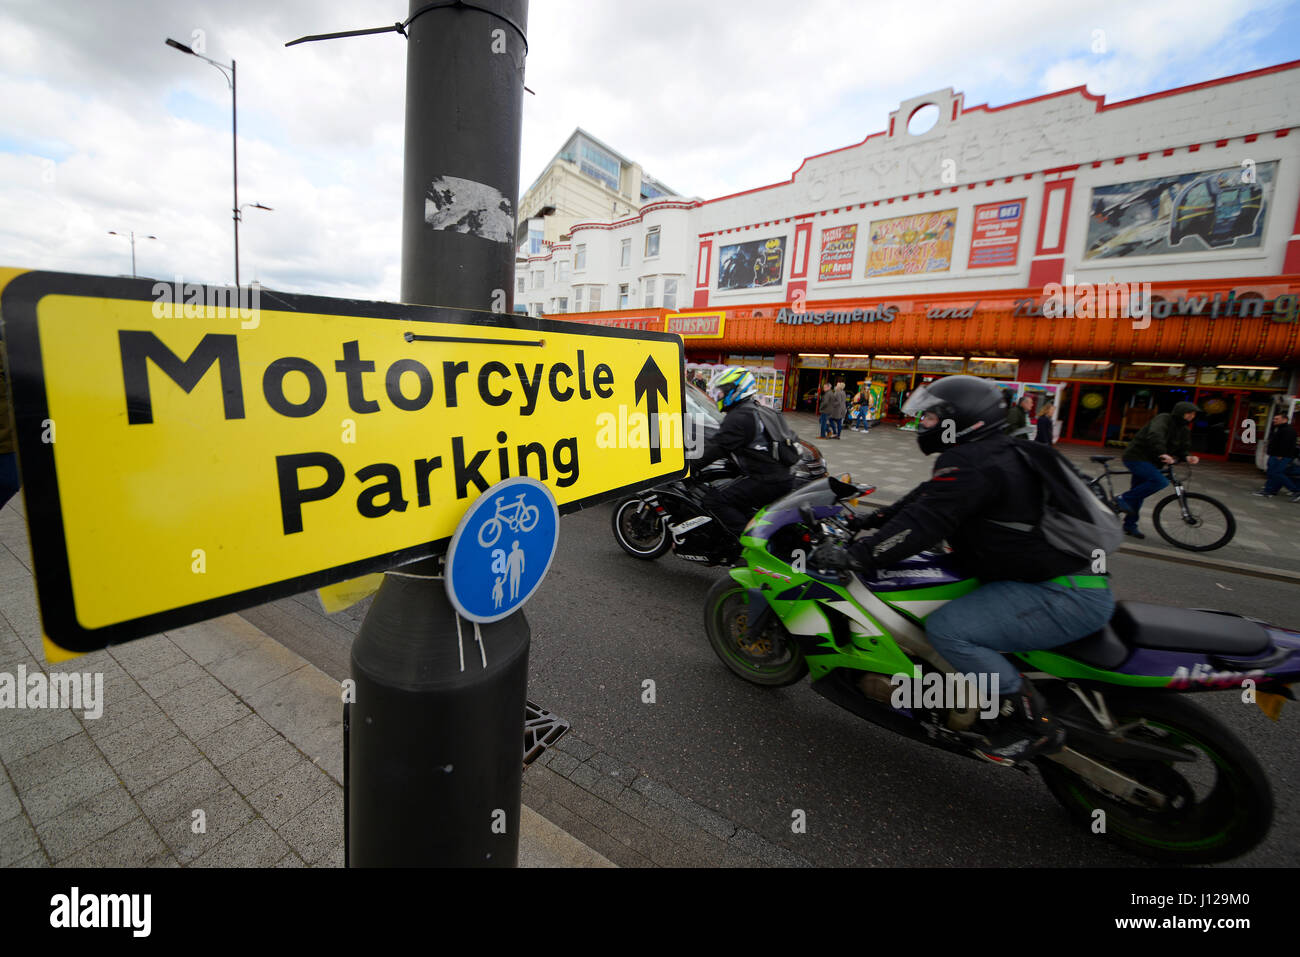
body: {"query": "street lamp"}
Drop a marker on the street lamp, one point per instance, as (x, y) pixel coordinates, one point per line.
(234, 137)
(132, 236)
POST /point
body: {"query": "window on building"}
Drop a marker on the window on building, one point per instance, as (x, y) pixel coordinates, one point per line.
(599, 165)
(580, 258)
(622, 296)
(578, 293)
(522, 285)
(670, 294)
(539, 278)
(625, 253)
(652, 242)
(537, 309)
(562, 304)
(649, 294)
(593, 293)
(563, 275)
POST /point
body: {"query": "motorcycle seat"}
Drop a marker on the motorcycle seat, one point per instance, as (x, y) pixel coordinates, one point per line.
(1102, 649)
(1181, 629)
(1101, 458)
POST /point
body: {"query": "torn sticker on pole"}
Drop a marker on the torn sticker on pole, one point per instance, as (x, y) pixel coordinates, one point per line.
(469, 207)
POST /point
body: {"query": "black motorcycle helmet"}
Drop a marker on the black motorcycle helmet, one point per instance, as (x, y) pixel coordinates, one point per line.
(969, 408)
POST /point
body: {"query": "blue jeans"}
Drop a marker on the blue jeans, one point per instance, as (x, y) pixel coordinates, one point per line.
(825, 422)
(1147, 480)
(970, 631)
(9, 481)
(1277, 477)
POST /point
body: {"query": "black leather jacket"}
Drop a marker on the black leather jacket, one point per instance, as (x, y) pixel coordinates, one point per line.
(974, 486)
(742, 432)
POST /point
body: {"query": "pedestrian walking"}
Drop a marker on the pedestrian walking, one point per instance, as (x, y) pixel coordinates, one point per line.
(834, 405)
(823, 410)
(1046, 425)
(1281, 459)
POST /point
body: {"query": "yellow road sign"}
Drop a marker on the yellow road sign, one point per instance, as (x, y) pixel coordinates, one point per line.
(186, 453)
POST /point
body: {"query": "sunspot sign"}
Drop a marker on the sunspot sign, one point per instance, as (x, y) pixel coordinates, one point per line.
(204, 431)
(502, 549)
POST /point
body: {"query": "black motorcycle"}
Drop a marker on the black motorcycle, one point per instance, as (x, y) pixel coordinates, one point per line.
(673, 516)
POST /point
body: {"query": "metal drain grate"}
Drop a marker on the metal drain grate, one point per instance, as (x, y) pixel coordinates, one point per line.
(541, 730)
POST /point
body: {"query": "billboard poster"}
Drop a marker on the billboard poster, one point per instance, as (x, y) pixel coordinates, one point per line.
(995, 239)
(837, 252)
(760, 262)
(1184, 213)
(907, 245)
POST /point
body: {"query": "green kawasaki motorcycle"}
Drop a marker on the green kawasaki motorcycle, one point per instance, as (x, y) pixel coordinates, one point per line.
(1174, 783)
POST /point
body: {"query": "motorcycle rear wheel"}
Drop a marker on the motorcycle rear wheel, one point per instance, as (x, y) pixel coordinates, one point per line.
(1223, 802)
(639, 531)
(771, 659)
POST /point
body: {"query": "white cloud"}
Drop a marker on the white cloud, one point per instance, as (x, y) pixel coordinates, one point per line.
(712, 98)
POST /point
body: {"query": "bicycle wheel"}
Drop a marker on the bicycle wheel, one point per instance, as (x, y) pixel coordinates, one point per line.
(528, 517)
(1201, 525)
(489, 532)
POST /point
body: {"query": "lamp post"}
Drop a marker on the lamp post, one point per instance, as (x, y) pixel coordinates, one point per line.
(132, 237)
(234, 137)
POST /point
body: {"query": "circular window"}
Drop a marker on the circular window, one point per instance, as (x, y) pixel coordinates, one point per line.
(923, 119)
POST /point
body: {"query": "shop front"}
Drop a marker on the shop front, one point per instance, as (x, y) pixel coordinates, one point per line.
(1230, 346)
(1112, 401)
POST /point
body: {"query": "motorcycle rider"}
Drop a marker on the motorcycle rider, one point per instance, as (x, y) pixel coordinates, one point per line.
(764, 479)
(984, 499)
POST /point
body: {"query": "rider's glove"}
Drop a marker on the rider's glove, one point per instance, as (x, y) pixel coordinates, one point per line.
(831, 557)
(873, 519)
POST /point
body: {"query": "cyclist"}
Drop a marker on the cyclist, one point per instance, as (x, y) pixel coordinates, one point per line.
(1166, 439)
(764, 479)
(986, 502)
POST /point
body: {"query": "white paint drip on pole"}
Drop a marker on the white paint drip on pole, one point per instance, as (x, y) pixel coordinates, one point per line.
(465, 206)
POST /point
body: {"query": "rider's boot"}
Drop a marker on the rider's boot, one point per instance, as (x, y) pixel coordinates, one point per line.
(1023, 730)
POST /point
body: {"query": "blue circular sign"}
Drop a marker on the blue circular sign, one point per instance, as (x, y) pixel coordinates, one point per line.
(502, 549)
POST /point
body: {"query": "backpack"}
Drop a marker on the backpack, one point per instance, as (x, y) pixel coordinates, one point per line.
(1074, 522)
(784, 442)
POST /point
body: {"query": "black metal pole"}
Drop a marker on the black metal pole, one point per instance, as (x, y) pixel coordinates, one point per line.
(435, 756)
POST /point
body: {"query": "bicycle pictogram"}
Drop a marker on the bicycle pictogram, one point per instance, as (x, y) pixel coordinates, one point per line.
(517, 516)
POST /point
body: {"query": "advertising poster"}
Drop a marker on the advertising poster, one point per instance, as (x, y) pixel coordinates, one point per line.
(1187, 213)
(837, 252)
(995, 239)
(760, 262)
(908, 245)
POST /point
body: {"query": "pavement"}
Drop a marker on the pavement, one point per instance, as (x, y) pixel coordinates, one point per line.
(219, 746)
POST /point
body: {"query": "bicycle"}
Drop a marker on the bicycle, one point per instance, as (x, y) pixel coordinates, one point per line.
(1197, 523)
(517, 516)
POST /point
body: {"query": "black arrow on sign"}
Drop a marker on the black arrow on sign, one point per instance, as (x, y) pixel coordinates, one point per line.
(651, 383)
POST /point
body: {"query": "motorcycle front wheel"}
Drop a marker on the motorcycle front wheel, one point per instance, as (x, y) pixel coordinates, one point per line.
(639, 530)
(1219, 805)
(771, 658)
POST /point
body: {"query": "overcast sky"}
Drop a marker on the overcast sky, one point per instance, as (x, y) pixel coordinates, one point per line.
(103, 127)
